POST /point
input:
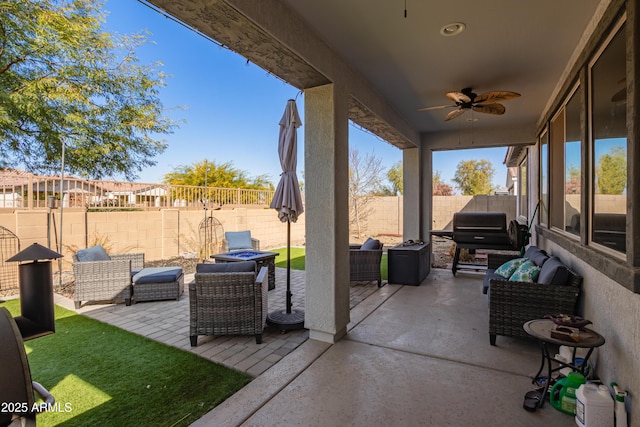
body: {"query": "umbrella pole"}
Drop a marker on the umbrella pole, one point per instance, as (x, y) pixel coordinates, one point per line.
(288, 267)
(288, 319)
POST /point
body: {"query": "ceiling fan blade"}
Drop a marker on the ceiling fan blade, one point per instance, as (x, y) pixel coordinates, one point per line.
(494, 96)
(490, 109)
(453, 114)
(458, 97)
(437, 107)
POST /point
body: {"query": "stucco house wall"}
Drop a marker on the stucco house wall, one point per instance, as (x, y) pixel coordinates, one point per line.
(613, 311)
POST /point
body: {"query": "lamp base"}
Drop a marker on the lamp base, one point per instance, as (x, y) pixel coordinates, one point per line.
(286, 321)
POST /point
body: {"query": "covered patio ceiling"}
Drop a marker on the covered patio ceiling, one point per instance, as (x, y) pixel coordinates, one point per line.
(525, 47)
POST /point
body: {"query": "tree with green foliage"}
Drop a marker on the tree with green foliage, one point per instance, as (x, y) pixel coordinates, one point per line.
(394, 175)
(573, 184)
(64, 79)
(439, 188)
(474, 177)
(211, 174)
(611, 171)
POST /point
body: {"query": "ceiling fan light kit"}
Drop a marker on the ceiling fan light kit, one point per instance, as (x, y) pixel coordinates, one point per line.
(466, 99)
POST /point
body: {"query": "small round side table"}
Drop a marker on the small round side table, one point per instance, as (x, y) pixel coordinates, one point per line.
(541, 329)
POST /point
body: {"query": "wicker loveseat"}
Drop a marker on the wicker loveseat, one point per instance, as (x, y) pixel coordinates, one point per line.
(228, 299)
(364, 261)
(100, 277)
(512, 304)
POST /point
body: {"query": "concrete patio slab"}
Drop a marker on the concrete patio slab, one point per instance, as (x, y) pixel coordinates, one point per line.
(413, 356)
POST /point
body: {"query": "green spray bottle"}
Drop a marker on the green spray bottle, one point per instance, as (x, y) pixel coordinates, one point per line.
(620, 408)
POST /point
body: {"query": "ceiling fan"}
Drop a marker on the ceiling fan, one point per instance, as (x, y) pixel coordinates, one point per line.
(467, 100)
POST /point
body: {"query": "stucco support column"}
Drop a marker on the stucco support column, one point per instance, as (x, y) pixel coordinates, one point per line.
(326, 153)
(411, 194)
(426, 193)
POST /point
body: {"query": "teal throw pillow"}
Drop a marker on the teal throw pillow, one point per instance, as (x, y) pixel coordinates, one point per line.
(527, 272)
(509, 267)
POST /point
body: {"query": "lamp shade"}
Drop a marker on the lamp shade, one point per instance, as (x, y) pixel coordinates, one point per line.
(35, 252)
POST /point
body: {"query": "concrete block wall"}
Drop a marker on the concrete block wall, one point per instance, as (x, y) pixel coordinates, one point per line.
(610, 203)
(604, 203)
(167, 233)
(443, 209)
(385, 216)
(445, 206)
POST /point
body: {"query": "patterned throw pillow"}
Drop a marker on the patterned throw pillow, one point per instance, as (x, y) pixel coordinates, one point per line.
(527, 272)
(509, 267)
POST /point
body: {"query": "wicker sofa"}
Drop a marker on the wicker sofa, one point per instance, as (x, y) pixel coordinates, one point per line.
(101, 277)
(228, 299)
(512, 304)
(364, 261)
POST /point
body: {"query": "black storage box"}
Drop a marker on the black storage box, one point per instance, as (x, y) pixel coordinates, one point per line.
(409, 264)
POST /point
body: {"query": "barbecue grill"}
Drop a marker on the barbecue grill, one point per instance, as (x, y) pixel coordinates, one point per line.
(484, 230)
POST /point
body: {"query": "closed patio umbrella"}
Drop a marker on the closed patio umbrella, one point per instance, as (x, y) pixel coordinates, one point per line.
(287, 201)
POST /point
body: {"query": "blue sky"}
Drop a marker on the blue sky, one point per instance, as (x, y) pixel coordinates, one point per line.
(229, 110)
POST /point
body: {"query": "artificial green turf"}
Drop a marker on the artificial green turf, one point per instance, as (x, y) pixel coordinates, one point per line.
(103, 375)
(297, 258)
(298, 255)
(384, 266)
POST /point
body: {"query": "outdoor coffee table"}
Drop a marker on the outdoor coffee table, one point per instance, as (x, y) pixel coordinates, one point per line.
(262, 259)
(541, 330)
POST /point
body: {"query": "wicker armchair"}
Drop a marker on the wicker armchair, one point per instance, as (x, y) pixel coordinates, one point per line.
(365, 264)
(105, 280)
(512, 304)
(233, 241)
(228, 302)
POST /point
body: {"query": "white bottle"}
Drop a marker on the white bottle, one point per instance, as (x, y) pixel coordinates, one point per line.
(566, 355)
(620, 408)
(594, 406)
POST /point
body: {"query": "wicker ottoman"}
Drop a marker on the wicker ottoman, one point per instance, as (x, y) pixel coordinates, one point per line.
(157, 283)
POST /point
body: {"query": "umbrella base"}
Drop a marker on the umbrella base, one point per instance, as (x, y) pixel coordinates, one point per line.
(286, 321)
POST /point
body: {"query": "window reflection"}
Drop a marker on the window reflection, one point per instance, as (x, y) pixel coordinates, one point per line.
(544, 179)
(609, 167)
(523, 203)
(572, 168)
